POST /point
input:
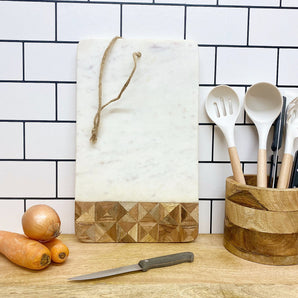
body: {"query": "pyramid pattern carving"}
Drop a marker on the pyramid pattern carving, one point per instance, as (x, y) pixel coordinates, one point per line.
(136, 221)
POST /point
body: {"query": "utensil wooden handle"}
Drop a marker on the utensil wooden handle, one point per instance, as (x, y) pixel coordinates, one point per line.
(285, 171)
(236, 165)
(165, 261)
(262, 168)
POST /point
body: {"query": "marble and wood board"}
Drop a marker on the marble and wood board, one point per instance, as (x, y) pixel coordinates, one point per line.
(139, 181)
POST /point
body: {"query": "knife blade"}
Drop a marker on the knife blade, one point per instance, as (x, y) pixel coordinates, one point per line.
(143, 265)
(294, 175)
(277, 142)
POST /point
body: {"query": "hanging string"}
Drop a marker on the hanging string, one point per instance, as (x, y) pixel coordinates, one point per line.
(96, 120)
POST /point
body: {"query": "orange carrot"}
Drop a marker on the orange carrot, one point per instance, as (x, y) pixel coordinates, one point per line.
(23, 251)
(59, 251)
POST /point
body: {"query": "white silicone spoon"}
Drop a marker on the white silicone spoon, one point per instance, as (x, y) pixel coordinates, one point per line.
(263, 103)
(291, 135)
(223, 107)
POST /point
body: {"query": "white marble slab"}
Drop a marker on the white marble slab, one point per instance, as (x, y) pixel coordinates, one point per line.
(147, 148)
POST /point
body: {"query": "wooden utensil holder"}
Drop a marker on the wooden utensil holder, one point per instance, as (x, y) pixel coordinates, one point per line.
(261, 224)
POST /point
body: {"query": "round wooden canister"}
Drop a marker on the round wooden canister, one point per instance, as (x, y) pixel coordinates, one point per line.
(261, 224)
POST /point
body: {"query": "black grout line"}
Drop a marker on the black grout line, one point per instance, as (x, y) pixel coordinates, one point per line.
(49, 41)
(277, 66)
(23, 61)
(56, 181)
(211, 199)
(215, 65)
(224, 161)
(246, 46)
(56, 29)
(121, 20)
(56, 101)
(25, 205)
(37, 160)
(74, 82)
(37, 82)
(38, 121)
(185, 19)
(211, 215)
(24, 140)
(73, 160)
(248, 25)
(237, 124)
(212, 143)
(279, 7)
(36, 198)
(200, 45)
(246, 85)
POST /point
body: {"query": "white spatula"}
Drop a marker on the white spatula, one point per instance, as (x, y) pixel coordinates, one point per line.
(223, 108)
(263, 103)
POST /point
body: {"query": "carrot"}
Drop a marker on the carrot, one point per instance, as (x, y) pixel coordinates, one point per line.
(23, 251)
(59, 251)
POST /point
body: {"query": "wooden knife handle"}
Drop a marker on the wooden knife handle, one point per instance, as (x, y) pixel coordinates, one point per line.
(165, 261)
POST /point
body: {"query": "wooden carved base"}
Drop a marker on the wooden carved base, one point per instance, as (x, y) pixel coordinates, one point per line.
(136, 222)
(261, 224)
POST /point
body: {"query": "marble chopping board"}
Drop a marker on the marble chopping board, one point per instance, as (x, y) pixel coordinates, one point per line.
(139, 182)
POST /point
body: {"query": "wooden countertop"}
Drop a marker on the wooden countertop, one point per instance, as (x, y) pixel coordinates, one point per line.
(214, 273)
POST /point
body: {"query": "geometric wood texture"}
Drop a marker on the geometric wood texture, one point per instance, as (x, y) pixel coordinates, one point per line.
(261, 224)
(136, 221)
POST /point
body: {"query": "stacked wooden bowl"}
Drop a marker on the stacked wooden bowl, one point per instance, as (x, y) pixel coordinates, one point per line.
(261, 224)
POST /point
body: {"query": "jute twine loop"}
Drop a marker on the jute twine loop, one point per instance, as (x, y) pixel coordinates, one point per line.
(96, 120)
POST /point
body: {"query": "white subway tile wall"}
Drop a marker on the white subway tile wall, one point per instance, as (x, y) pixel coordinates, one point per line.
(50, 62)
(270, 27)
(291, 3)
(27, 101)
(203, 25)
(27, 179)
(11, 61)
(27, 21)
(77, 21)
(50, 140)
(11, 136)
(240, 43)
(153, 21)
(245, 65)
(66, 102)
(250, 2)
(288, 67)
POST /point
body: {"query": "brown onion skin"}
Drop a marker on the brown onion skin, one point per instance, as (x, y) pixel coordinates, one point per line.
(41, 222)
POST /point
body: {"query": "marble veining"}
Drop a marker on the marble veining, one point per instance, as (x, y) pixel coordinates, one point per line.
(147, 148)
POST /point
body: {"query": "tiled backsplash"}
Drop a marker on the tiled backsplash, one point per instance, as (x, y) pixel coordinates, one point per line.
(240, 43)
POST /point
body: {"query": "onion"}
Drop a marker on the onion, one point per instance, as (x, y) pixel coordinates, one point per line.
(41, 222)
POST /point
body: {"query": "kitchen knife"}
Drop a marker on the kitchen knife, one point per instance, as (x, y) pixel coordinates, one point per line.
(294, 175)
(276, 143)
(143, 265)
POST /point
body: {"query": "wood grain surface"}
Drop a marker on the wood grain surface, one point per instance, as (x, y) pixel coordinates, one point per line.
(261, 224)
(136, 221)
(214, 273)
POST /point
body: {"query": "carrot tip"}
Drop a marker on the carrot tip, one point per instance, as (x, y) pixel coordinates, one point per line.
(62, 255)
(45, 260)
